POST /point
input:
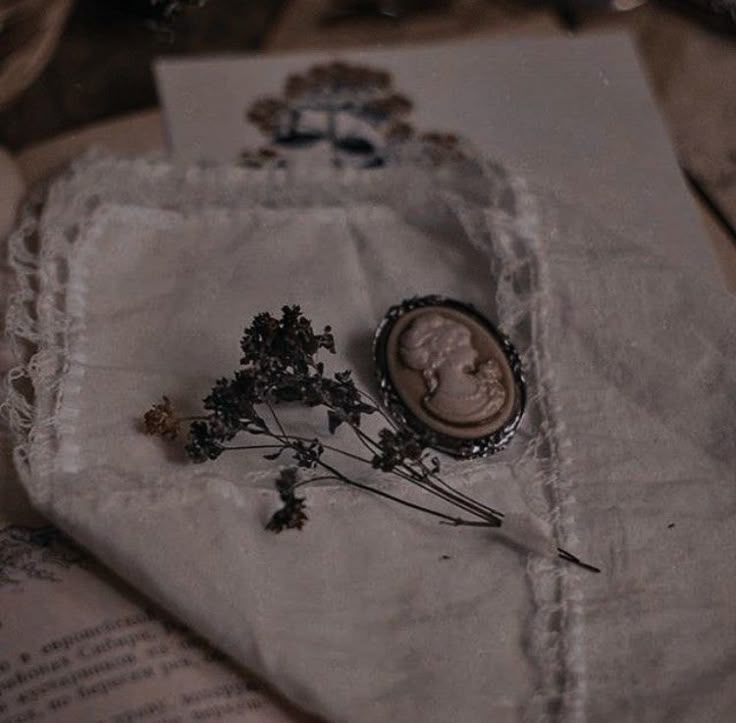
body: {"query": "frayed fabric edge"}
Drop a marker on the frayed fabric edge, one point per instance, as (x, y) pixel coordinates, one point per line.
(35, 325)
(555, 629)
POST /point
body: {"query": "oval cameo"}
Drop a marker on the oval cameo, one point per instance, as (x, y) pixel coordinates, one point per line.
(448, 373)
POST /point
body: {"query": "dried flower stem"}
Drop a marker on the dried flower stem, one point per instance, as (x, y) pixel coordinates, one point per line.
(279, 367)
(488, 516)
(381, 493)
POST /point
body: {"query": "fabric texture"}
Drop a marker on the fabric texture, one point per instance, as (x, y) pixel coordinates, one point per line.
(644, 354)
(136, 280)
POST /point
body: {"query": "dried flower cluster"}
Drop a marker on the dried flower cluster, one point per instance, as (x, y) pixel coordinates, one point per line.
(161, 420)
(292, 514)
(279, 366)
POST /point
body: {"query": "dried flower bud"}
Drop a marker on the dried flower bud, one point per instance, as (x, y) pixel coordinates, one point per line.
(291, 516)
(396, 447)
(286, 481)
(161, 420)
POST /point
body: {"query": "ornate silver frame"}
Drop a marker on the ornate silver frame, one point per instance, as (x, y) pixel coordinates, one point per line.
(397, 409)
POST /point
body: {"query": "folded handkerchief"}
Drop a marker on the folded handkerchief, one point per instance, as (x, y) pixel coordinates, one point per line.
(137, 279)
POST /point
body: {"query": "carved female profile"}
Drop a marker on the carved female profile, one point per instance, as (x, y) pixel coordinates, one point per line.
(450, 374)
(459, 389)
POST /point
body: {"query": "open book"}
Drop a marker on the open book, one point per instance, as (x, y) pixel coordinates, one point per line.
(76, 645)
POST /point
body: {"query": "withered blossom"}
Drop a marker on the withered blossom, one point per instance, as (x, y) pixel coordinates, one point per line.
(279, 366)
(161, 420)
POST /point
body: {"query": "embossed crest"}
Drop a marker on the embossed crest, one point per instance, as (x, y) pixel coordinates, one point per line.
(450, 375)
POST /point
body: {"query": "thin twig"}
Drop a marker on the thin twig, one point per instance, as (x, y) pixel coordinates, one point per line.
(252, 446)
(387, 495)
(451, 497)
(345, 453)
(432, 489)
(287, 443)
(275, 418)
(321, 478)
(456, 496)
(569, 557)
(370, 444)
(379, 409)
(470, 506)
(488, 517)
(444, 482)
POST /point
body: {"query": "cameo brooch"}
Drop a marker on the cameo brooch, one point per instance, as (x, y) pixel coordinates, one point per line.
(450, 375)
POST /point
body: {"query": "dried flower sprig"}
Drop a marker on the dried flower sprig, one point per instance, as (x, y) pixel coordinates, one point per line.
(279, 365)
(161, 420)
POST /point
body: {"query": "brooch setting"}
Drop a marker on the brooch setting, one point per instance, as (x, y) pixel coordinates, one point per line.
(448, 373)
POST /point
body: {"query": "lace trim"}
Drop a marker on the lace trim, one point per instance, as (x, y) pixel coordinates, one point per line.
(555, 632)
(36, 326)
(522, 293)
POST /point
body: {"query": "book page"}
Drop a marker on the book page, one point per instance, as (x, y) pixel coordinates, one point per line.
(76, 645)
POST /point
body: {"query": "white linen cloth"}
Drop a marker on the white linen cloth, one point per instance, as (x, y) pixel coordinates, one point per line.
(146, 277)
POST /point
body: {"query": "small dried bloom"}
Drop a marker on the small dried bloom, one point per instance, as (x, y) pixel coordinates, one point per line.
(395, 448)
(307, 454)
(204, 442)
(161, 420)
(291, 516)
(286, 481)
